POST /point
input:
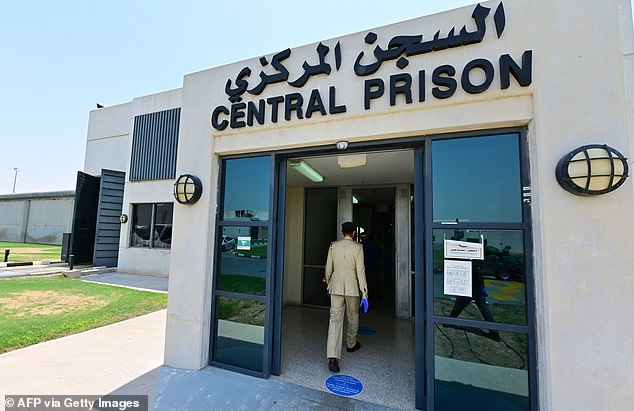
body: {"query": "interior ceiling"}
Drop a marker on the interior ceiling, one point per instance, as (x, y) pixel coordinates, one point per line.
(382, 168)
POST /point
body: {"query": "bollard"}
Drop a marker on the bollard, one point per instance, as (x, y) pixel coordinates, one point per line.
(71, 261)
(6, 255)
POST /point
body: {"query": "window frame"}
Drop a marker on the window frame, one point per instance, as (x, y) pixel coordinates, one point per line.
(151, 245)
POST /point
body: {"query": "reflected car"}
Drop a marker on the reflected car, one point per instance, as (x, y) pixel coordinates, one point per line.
(228, 243)
(503, 265)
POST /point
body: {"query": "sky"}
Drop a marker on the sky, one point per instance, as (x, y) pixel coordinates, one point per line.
(60, 58)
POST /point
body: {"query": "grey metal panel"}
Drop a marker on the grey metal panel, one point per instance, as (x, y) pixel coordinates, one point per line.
(106, 252)
(154, 145)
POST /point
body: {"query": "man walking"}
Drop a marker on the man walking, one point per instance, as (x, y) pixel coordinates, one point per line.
(345, 277)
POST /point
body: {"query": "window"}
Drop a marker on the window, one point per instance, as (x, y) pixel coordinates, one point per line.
(152, 225)
(247, 186)
(477, 179)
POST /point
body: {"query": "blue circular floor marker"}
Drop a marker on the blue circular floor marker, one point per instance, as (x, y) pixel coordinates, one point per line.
(367, 331)
(344, 385)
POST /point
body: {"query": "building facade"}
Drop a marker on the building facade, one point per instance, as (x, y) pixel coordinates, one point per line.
(486, 146)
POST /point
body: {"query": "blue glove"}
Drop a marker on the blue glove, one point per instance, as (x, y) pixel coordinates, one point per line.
(365, 304)
(483, 291)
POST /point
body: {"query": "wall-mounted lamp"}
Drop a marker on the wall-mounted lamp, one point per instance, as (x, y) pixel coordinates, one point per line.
(342, 145)
(123, 218)
(187, 189)
(307, 171)
(592, 170)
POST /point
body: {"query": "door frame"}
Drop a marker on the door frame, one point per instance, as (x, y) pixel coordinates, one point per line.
(423, 288)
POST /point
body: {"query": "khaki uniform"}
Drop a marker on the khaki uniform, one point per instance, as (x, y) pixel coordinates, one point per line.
(345, 276)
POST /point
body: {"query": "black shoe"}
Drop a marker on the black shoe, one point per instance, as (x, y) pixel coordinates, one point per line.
(333, 364)
(354, 347)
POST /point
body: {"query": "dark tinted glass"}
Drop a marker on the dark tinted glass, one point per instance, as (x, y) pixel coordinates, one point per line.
(314, 287)
(320, 224)
(477, 179)
(243, 259)
(477, 370)
(141, 225)
(247, 188)
(240, 333)
(163, 225)
(502, 273)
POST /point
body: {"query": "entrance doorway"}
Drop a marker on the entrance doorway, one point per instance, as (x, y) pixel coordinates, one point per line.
(368, 195)
(469, 347)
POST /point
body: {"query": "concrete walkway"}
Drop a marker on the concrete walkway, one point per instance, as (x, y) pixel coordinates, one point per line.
(127, 358)
(34, 270)
(94, 362)
(135, 281)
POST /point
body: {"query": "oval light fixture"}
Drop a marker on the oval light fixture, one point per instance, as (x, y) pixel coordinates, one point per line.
(187, 189)
(123, 218)
(592, 170)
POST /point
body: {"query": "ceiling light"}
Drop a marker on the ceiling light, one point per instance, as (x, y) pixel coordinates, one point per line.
(307, 171)
(354, 160)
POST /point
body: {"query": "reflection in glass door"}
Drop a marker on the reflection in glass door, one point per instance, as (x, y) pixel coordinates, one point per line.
(482, 355)
(240, 304)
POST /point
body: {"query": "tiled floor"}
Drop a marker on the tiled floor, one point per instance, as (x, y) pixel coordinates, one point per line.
(384, 364)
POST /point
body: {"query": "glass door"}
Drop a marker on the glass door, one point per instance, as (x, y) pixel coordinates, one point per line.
(242, 293)
(479, 329)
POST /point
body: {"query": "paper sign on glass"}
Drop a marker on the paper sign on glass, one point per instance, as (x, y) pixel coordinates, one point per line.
(464, 250)
(458, 277)
(244, 243)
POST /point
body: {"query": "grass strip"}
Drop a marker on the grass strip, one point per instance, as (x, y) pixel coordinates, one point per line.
(34, 310)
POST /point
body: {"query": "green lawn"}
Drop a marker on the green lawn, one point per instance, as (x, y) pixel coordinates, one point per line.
(33, 310)
(242, 284)
(23, 252)
(258, 249)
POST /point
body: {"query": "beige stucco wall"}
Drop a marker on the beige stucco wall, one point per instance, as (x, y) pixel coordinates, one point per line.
(109, 141)
(577, 97)
(109, 145)
(582, 69)
(135, 259)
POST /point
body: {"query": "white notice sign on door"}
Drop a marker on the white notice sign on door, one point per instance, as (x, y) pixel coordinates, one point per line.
(464, 250)
(458, 278)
